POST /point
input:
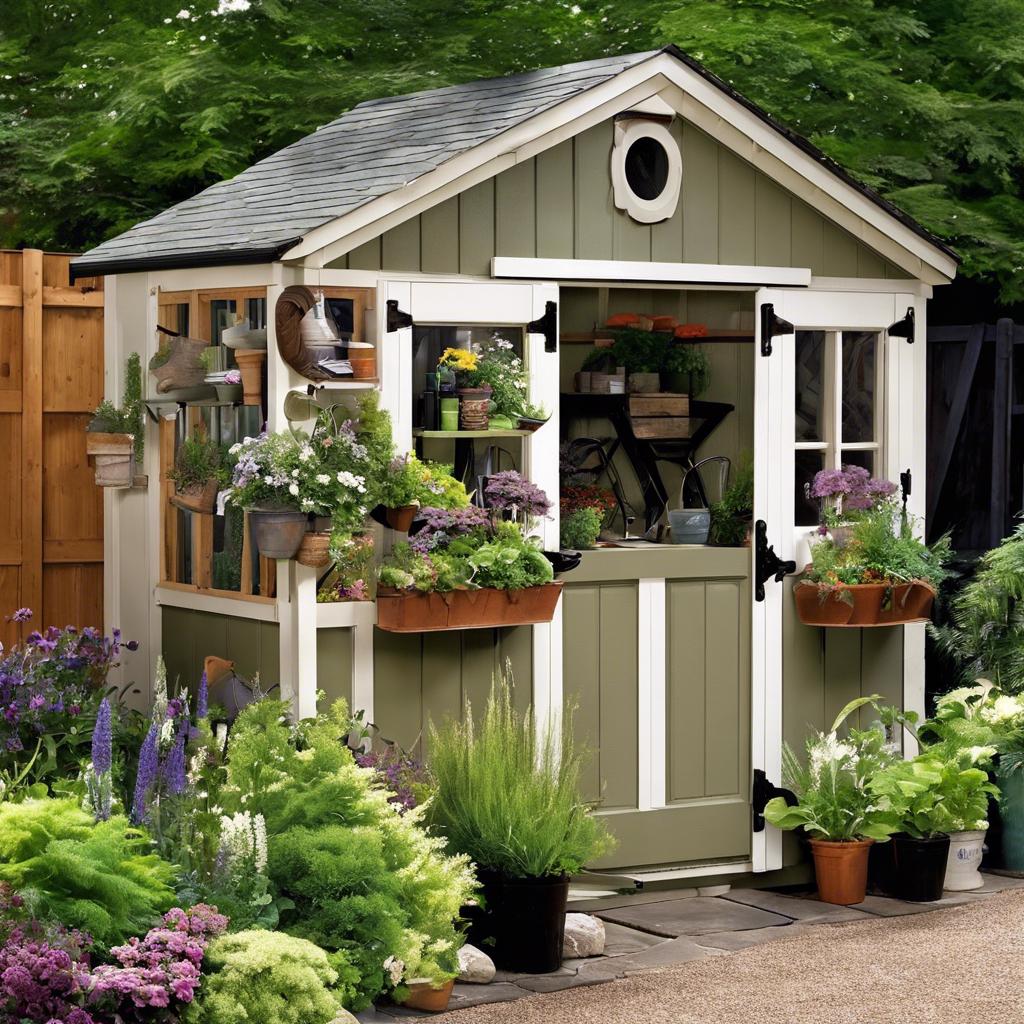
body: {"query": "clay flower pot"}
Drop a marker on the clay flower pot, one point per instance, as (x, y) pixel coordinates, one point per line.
(400, 519)
(250, 363)
(841, 870)
(201, 498)
(818, 607)
(423, 996)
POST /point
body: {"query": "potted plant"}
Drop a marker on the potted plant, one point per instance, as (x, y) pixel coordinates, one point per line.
(533, 417)
(115, 437)
(507, 795)
(400, 491)
(844, 495)
(643, 355)
(351, 578)
(229, 388)
(500, 369)
(835, 806)
(582, 512)
(731, 517)
(686, 370)
(878, 575)
(474, 396)
(198, 473)
(471, 567)
(282, 480)
(178, 362)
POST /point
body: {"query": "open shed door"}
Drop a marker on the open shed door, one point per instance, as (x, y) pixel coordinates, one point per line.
(529, 307)
(831, 388)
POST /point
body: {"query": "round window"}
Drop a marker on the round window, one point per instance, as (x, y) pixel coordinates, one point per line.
(647, 168)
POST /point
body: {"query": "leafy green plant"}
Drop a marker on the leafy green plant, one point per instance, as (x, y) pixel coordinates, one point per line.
(261, 977)
(730, 517)
(691, 360)
(109, 419)
(579, 530)
(209, 357)
(197, 461)
(835, 802)
(508, 794)
(535, 412)
(94, 876)
(499, 368)
(986, 637)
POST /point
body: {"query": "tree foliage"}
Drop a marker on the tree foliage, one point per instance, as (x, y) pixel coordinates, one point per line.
(111, 111)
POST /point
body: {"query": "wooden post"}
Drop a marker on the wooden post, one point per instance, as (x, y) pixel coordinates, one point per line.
(1001, 423)
(32, 430)
(246, 584)
(202, 550)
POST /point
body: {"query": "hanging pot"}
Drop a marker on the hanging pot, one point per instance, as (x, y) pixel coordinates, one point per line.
(401, 519)
(314, 551)
(965, 851)
(114, 456)
(1011, 810)
(919, 867)
(841, 869)
(199, 498)
(277, 534)
(177, 363)
(525, 918)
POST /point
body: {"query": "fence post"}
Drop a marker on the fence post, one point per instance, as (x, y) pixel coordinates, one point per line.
(1001, 424)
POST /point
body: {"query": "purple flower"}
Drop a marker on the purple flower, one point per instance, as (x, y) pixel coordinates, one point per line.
(22, 615)
(508, 491)
(441, 524)
(173, 770)
(202, 700)
(149, 763)
(102, 739)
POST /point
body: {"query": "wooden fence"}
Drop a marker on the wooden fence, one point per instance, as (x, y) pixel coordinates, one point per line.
(51, 378)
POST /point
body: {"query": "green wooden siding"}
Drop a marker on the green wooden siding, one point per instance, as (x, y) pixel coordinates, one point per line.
(334, 665)
(559, 204)
(421, 676)
(189, 636)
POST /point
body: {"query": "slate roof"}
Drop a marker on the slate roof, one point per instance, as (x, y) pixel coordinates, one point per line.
(376, 148)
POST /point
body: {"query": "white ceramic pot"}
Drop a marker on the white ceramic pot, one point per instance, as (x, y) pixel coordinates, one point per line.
(965, 849)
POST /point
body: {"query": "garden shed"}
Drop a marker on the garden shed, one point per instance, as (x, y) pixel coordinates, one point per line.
(543, 211)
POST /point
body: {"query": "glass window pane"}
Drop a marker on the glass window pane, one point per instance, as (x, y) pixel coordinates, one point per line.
(866, 460)
(859, 360)
(806, 512)
(810, 385)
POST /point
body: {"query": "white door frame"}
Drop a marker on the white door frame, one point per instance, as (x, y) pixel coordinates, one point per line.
(517, 303)
(855, 306)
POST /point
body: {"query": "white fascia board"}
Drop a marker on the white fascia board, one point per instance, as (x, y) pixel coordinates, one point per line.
(254, 275)
(696, 99)
(635, 270)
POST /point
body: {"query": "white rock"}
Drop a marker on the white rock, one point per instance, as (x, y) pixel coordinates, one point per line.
(584, 936)
(475, 966)
(344, 1017)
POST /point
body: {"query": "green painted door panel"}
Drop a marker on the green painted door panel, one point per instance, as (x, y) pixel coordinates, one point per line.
(334, 665)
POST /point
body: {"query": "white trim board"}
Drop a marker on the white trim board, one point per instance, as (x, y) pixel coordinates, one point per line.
(633, 270)
(197, 601)
(694, 98)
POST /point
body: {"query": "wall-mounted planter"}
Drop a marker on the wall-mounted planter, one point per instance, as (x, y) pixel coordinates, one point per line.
(277, 534)
(177, 364)
(114, 456)
(315, 549)
(401, 519)
(863, 604)
(201, 498)
(410, 611)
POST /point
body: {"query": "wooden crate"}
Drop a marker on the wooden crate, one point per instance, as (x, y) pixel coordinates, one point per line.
(654, 427)
(659, 403)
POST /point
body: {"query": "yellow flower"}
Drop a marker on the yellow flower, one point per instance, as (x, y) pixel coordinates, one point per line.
(458, 359)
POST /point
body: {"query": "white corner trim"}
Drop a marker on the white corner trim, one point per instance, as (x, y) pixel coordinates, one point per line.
(631, 270)
(215, 604)
(651, 736)
(346, 614)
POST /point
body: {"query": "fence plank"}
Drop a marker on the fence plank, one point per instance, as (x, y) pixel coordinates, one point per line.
(32, 430)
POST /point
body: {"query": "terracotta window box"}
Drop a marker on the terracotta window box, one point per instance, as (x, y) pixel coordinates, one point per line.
(863, 604)
(410, 611)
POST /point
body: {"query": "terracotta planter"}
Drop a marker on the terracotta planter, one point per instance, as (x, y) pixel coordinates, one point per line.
(841, 870)
(277, 534)
(863, 604)
(201, 498)
(474, 406)
(314, 550)
(114, 456)
(250, 363)
(363, 367)
(409, 611)
(816, 607)
(401, 519)
(423, 996)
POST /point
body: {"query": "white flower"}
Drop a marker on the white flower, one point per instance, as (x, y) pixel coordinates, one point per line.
(976, 754)
(1002, 709)
(295, 473)
(830, 750)
(293, 489)
(323, 478)
(395, 969)
(235, 448)
(305, 453)
(269, 481)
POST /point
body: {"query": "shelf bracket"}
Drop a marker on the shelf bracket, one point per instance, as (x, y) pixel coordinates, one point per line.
(771, 327)
(547, 325)
(397, 320)
(904, 328)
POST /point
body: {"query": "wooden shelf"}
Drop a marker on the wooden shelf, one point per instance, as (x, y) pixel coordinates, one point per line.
(714, 334)
(346, 384)
(455, 434)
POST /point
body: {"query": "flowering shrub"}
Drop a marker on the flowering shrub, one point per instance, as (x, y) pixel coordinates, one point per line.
(405, 778)
(51, 687)
(510, 493)
(500, 369)
(350, 579)
(846, 490)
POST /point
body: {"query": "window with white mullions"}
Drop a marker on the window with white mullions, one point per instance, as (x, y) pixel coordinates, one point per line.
(838, 414)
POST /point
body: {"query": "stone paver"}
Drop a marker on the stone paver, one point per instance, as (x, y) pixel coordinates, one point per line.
(732, 942)
(693, 917)
(620, 940)
(885, 906)
(797, 908)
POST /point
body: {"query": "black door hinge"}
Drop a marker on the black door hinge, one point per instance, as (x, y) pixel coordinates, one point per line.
(396, 319)
(763, 791)
(767, 564)
(547, 325)
(904, 328)
(771, 327)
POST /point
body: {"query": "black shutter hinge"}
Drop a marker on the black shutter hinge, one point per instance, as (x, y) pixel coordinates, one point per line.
(547, 325)
(904, 328)
(771, 327)
(763, 791)
(396, 319)
(767, 564)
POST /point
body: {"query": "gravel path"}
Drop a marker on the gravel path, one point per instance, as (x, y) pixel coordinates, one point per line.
(957, 966)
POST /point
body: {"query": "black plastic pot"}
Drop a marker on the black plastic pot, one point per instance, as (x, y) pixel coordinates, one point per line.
(522, 924)
(918, 868)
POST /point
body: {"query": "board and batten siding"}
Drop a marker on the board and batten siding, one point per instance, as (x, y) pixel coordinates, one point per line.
(559, 205)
